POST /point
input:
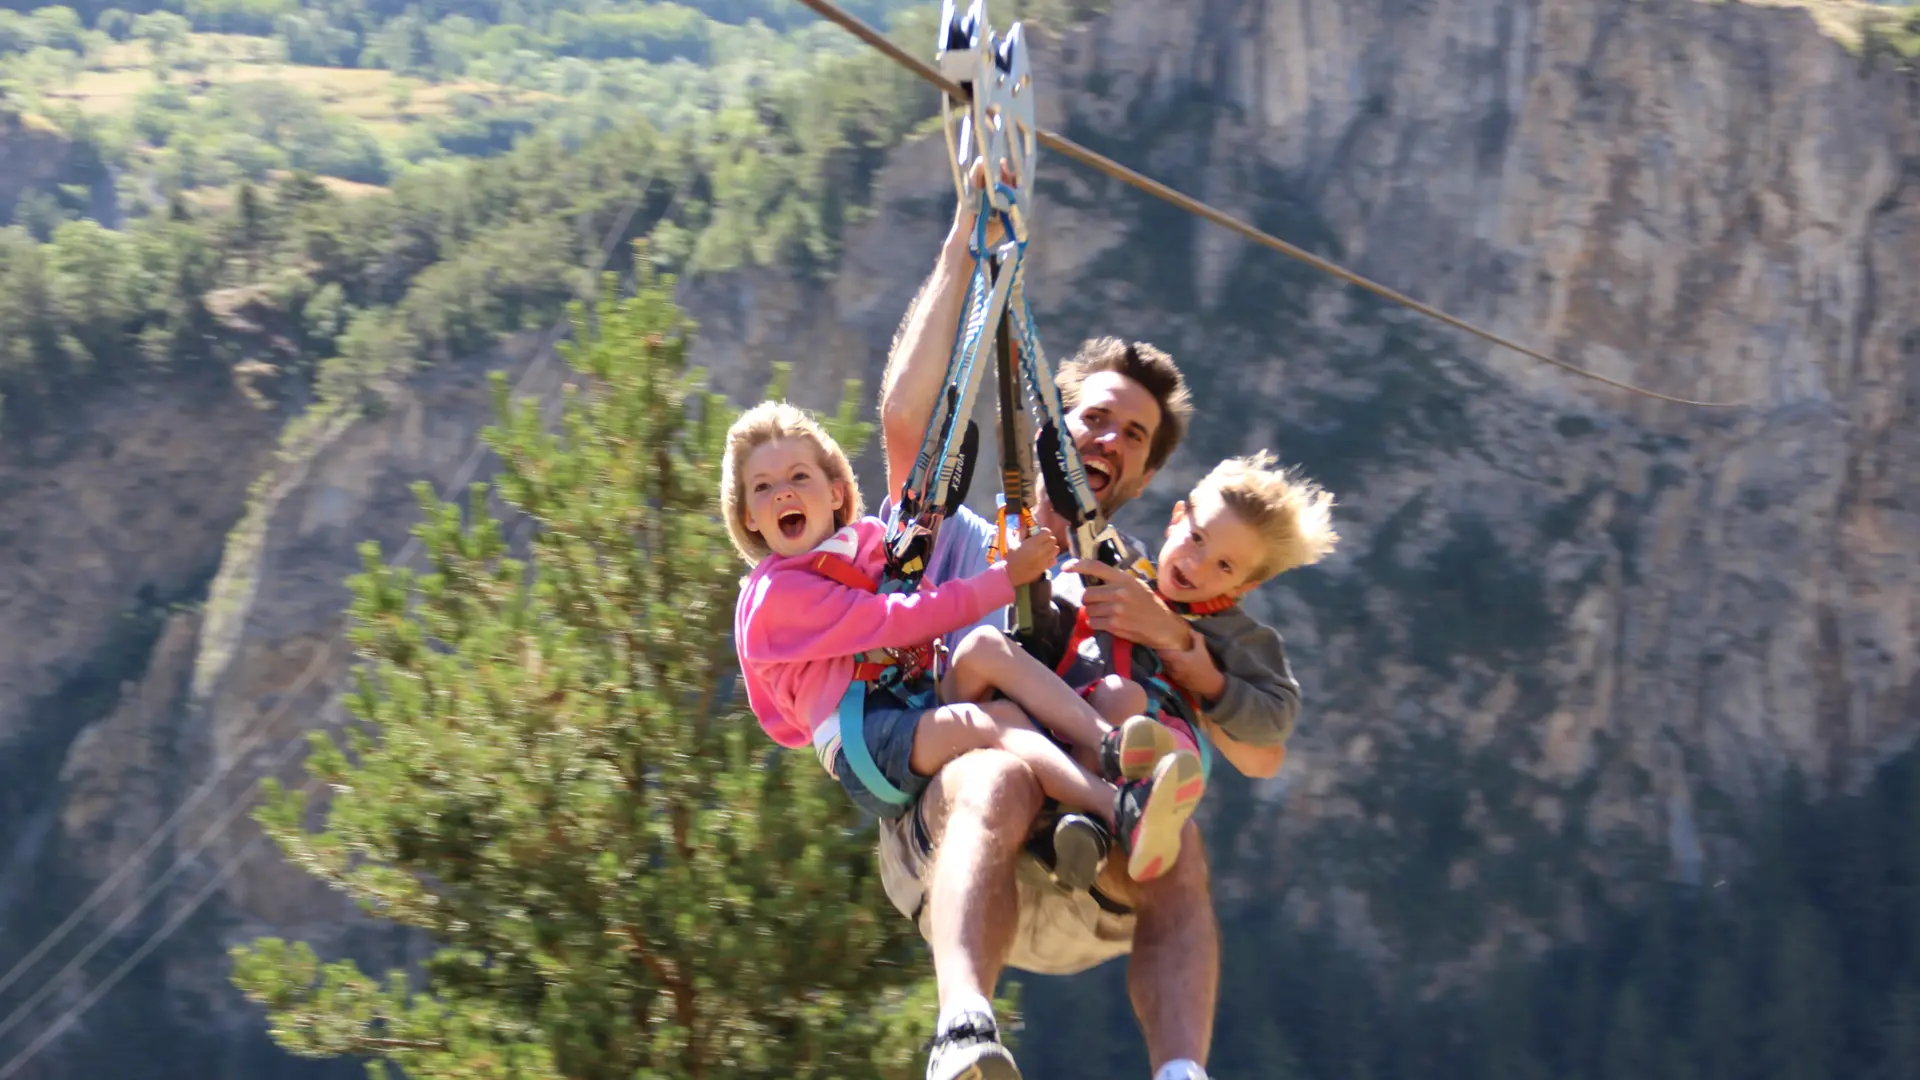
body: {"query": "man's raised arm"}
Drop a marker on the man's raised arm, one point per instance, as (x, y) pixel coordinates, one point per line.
(917, 365)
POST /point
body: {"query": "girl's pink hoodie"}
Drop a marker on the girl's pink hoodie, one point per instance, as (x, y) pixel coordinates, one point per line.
(798, 631)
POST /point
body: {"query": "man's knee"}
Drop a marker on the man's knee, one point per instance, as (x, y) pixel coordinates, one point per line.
(990, 787)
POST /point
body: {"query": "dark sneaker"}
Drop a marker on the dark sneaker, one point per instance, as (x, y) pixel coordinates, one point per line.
(1080, 846)
(1130, 751)
(1149, 814)
(970, 1050)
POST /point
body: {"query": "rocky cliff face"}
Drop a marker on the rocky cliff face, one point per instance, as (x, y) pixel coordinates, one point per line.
(1570, 633)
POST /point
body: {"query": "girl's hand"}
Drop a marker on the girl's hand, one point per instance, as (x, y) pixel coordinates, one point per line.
(1031, 556)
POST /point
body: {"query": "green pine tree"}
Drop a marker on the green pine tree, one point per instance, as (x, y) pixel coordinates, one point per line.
(625, 876)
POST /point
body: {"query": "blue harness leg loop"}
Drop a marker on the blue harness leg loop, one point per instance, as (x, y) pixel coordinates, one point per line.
(853, 744)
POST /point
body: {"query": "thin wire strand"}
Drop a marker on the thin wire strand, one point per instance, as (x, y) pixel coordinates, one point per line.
(106, 985)
(1067, 148)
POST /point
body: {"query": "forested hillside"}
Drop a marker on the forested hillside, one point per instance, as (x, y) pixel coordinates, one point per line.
(300, 205)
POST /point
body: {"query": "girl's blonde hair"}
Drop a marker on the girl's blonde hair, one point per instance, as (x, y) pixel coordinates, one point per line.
(1293, 516)
(756, 427)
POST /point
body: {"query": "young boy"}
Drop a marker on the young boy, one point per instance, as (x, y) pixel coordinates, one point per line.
(1241, 525)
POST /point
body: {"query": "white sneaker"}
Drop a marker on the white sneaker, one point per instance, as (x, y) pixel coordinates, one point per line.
(969, 1049)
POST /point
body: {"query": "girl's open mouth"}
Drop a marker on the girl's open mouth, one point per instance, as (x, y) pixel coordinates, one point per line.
(793, 523)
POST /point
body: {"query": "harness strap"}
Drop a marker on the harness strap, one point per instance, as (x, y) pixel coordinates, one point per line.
(1122, 652)
(1123, 667)
(842, 570)
(871, 668)
(853, 744)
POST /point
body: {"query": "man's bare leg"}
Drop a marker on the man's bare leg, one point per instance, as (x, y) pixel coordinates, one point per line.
(978, 811)
(1173, 975)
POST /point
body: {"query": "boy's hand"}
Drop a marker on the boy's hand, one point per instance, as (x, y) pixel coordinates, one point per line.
(1031, 556)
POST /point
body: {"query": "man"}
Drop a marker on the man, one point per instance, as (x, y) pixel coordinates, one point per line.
(957, 863)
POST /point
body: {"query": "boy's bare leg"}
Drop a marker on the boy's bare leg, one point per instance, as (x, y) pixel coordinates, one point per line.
(1173, 976)
(986, 661)
(1143, 741)
(1117, 699)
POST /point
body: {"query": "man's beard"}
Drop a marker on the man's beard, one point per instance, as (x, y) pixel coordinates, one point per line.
(1116, 496)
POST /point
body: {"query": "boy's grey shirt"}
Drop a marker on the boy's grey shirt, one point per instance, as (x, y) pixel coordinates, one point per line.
(1260, 701)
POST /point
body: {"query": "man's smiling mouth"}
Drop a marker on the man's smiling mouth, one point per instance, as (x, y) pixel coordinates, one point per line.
(1099, 474)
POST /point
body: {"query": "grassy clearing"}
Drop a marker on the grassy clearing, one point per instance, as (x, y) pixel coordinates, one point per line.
(220, 198)
(364, 94)
(386, 103)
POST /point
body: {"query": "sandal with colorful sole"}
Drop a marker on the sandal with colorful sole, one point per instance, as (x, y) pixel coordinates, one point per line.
(1170, 798)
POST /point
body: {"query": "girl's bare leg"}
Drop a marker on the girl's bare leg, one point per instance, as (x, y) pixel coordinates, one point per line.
(987, 661)
(949, 731)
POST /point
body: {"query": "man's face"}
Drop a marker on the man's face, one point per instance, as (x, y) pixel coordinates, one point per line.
(1113, 426)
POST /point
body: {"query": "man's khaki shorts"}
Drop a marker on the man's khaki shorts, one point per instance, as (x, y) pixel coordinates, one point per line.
(1059, 933)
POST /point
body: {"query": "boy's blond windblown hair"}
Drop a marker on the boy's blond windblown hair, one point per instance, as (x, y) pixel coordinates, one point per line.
(1292, 514)
(756, 427)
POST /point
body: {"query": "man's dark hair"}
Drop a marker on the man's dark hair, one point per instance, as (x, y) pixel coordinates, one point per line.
(1153, 369)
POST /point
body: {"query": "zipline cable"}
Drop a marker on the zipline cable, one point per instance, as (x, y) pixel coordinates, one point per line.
(1067, 148)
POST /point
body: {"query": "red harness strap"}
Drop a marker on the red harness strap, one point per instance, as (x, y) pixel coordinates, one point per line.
(1123, 649)
(842, 570)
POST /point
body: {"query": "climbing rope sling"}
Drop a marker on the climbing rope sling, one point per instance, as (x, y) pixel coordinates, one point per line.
(989, 120)
(993, 122)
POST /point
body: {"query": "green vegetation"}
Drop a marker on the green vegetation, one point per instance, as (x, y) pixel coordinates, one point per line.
(1893, 35)
(335, 286)
(212, 92)
(625, 875)
(287, 186)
